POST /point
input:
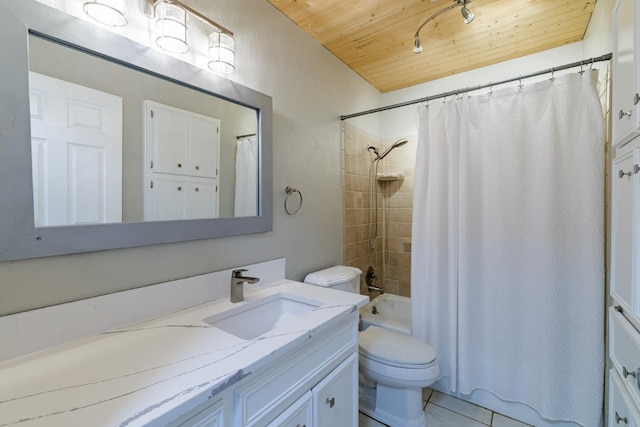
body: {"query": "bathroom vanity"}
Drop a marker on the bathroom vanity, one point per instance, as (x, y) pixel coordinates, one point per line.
(286, 355)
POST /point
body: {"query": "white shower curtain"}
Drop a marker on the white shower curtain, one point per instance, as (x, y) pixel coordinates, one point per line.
(508, 245)
(246, 196)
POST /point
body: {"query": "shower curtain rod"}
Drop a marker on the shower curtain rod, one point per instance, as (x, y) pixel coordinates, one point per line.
(589, 61)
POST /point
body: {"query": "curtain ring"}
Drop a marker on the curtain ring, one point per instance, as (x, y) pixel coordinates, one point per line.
(581, 69)
(552, 74)
(290, 191)
(520, 80)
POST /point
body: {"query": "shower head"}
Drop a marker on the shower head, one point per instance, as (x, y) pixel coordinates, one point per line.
(398, 143)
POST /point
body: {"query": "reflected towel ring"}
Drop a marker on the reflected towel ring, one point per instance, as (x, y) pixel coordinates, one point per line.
(290, 191)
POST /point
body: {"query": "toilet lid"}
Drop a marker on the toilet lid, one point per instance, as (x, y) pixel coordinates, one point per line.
(332, 276)
(394, 348)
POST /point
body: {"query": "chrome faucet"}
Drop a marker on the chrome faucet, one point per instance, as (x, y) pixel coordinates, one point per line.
(237, 282)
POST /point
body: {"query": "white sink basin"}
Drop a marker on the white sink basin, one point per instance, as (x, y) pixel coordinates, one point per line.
(252, 319)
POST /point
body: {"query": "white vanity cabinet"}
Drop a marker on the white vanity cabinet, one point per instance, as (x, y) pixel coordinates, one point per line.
(181, 163)
(624, 377)
(314, 386)
(624, 287)
(625, 230)
(626, 72)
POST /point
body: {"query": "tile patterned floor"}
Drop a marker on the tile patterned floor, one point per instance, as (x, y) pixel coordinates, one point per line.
(446, 411)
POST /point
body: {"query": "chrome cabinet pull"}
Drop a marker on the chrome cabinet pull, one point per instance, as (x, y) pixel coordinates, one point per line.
(623, 113)
(619, 418)
(636, 98)
(331, 402)
(618, 308)
(622, 174)
(179, 165)
(179, 188)
(626, 373)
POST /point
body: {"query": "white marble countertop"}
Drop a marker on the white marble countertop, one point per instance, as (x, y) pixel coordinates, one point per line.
(136, 375)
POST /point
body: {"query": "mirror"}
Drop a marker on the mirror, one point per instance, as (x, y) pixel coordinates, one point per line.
(89, 80)
(47, 42)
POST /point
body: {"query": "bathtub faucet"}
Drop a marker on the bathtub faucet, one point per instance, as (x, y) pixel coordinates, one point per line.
(237, 284)
(375, 288)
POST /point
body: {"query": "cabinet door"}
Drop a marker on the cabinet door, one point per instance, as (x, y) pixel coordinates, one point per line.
(297, 415)
(203, 199)
(625, 120)
(169, 137)
(622, 410)
(168, 196)
(622, 226)
(204, 137)
(335, 398)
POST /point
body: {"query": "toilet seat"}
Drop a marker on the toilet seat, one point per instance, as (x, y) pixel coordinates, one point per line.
(395, 349)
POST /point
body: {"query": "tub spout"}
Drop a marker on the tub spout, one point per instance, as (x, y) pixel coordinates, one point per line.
(375, 288)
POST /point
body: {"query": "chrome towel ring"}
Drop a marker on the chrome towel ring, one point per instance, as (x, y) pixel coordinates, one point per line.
(289, 210)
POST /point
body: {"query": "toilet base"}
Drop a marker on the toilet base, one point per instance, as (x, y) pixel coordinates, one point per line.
(393, 406)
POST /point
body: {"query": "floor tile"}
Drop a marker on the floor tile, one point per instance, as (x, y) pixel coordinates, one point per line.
(502, 421)
(467, 409)
(437, 416)
(365, 421)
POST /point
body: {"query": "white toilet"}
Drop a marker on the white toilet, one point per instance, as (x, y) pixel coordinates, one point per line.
(394, 367)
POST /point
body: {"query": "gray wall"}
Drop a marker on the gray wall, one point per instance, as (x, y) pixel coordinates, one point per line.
(310, 88)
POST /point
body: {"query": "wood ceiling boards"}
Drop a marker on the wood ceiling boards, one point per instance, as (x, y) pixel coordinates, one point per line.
(375, 37)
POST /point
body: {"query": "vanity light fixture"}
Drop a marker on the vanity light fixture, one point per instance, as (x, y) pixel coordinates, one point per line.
(107, 12)
(221, 52)
(171, 22)
(467, 15)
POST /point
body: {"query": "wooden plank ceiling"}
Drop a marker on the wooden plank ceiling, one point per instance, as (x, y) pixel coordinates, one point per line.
(375, 37)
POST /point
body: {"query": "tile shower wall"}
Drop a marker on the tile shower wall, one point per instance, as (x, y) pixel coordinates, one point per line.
(391, 257)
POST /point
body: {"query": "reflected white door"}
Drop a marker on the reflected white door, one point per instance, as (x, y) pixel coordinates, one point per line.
(76, 145)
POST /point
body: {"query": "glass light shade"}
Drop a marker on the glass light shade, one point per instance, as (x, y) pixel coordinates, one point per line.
(171, 22)
(221, 53)
(107, 12)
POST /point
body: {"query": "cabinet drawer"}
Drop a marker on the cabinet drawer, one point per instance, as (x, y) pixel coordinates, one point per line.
(622, 410)
(276, 389)
(625, 352)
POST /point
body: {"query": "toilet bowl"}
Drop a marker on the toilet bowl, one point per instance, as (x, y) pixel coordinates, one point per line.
(394, 367)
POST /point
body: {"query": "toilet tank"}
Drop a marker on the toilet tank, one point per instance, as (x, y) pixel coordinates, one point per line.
(340, 277)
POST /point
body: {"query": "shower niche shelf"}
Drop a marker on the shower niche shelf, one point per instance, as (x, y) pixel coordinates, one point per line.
(389, 176)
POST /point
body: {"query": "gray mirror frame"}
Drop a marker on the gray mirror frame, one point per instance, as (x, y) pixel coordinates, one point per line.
(19, 239)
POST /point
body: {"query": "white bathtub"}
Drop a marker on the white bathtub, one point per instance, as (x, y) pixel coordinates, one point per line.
(391, 312)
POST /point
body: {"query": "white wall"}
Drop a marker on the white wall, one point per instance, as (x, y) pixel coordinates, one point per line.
(311, 88)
